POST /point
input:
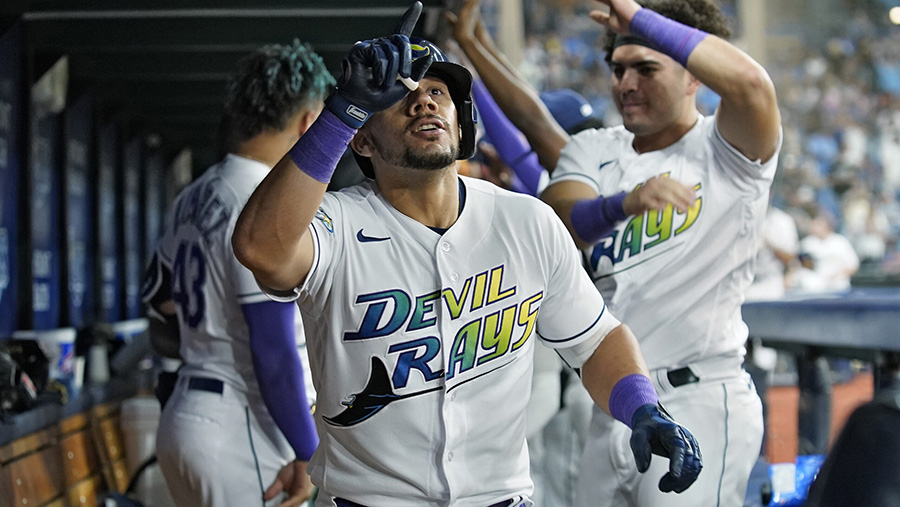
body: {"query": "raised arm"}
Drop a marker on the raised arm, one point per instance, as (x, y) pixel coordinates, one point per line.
(748, 116)
(512, 148)
(516, 98)
(271, 237)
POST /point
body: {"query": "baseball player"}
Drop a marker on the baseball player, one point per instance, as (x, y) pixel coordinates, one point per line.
(422, 293)
(667, 209)
(217, 443)
(677, 272)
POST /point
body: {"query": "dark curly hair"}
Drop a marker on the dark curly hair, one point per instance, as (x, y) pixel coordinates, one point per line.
(702, 14)
(272, 85)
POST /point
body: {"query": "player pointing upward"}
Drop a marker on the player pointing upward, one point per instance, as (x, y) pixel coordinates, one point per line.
(422, 293)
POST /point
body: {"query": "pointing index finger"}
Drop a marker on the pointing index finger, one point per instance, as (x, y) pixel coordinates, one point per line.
(409, 19)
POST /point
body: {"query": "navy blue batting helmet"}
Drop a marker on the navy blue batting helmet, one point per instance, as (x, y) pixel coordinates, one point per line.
(459, 82)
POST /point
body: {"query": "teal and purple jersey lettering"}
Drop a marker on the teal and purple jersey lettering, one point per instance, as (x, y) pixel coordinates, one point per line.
(677, 279)
(421, 344)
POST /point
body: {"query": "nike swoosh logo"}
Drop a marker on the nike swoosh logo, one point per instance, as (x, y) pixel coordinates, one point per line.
(369, 239)
(604, 164)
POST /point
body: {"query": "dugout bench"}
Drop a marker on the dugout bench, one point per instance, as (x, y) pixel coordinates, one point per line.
(72, 454)
(67, 464)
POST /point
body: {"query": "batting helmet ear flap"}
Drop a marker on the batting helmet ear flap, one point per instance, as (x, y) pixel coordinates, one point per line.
(467, 121)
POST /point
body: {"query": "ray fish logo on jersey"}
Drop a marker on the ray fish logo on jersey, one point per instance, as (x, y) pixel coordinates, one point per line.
(374, 397)
(644, 236)
(496, 326)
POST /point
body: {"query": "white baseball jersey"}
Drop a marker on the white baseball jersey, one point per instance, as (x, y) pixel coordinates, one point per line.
(209, 285)
(214, 447)
(421, 344)
(677, 279)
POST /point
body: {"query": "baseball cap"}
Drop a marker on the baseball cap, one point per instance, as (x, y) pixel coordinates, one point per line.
(569, 109)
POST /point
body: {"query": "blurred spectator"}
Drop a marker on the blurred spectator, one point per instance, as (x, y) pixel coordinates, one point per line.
(866, 224)
(833, 255)
(805, 278)
(888, 125)
(779, 245)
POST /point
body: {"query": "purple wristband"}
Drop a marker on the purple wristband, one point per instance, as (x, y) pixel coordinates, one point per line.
(671, 37)
(629, 394)
(593, 219)
(318, 151)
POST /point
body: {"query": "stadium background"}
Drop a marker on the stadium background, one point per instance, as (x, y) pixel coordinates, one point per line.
(107, 108)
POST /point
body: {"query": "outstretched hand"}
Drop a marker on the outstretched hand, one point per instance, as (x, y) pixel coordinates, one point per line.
(373, 73)
(657, 193)
(654, 432)
(294, 481)
(619, 14)
(466, 21)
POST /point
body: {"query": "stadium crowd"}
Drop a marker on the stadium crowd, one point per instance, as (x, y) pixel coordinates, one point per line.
(841, 118)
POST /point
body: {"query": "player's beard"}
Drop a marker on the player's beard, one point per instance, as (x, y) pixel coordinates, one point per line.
(421, 159)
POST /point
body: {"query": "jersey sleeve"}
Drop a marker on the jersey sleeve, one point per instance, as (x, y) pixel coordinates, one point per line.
(750, 176)
(156, 289)
(156, 286)
(579, 159)
(573, 318)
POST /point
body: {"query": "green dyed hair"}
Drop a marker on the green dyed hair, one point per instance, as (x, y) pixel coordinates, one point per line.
(271, 86)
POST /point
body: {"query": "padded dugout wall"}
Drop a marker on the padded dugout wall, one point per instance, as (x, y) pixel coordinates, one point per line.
(12, 58)
(154, 169)
(108, 224)
(132, 225)
(43, 202)
(78, 199)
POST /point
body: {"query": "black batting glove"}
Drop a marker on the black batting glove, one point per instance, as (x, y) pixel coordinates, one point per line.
(370, 73)
(654, 432)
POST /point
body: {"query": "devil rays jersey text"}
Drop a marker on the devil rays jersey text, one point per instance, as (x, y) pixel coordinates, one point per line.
(677, 279)
(421, 344)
